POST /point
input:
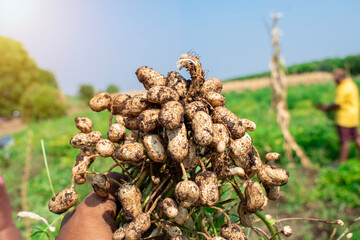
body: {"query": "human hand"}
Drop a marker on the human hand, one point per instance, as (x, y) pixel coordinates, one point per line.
(8, 229)
(94, 217)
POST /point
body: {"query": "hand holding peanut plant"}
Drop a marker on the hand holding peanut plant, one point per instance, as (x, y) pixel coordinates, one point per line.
(184, 150)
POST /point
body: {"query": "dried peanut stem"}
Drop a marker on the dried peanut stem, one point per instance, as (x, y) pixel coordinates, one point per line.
(221, 210)
(139, 174)
(110, 117)
(275, 235)
(155, 192)
(183, 171)
(202, 165)
(122, 167)
(255, 229)
(305, 219)
(205, 228)
(237, 190)
(72, 186)
(111, 168)
(158, 198)
(257, 153)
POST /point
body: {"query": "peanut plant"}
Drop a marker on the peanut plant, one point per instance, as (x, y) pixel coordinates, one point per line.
(185, 156)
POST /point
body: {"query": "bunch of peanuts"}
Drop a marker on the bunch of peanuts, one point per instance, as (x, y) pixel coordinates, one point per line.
(175, 142)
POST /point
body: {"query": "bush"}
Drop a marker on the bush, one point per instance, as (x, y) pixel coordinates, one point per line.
(17, 73)
(340, 185)
(112, 89)
(86, 92)
(41, 102)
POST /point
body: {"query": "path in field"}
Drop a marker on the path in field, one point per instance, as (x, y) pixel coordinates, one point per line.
(14, 125)
(292, 80)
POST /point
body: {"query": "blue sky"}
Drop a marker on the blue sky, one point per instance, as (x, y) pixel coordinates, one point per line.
(103, 42)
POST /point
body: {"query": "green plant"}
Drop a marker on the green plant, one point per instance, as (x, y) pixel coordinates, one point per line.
(40, 102)
(86, 92)
(112, 88)
(18, 73)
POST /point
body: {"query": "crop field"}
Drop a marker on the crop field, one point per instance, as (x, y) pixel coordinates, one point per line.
(322, 192)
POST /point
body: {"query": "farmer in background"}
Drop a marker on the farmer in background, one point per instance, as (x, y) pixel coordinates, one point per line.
(346, 107)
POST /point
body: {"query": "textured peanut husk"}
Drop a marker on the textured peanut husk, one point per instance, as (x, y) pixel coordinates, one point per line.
(105, 148)
(120, 119)
(131, 151)
(254, 196)
(181, 216)
(84, 124)
(272, 175)
(239, 147)
(273, 156)
(249, 125)
(148, 120)
(116, 132)
(149, 77)
(169, 207)
(202, 128)
(138, 227)
(215, 99)
(177, 82)
(221, 137)
(232, 232)
(246, 217)
(171, 115)
(272, 192)
(212, 84)
(221, 165)
(100, 102)
(63, 201)
(134, 136)
(130, 198)
(119, 234)
(133, 106)
(162, 94)
(118, 101)
(187, 193)
(208, 186)
(83, 161)
(192, 159)
(177, 143)
(193, 107)
(172, 232)
(81, 140)
(230, 120)
(131, 123)
(155, 148)
(101, 185)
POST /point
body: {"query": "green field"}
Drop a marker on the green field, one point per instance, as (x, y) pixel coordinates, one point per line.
(321, 192)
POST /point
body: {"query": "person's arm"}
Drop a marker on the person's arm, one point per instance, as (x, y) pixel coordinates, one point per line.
(8, 230)
(93, 218)
(329, 107)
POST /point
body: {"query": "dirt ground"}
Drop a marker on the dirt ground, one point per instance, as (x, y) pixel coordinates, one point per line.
(292, 80)
(14, 125)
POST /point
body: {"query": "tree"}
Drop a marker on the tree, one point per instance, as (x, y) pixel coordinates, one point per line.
(112, 89)
(41, 102)
(86, 92)
(18, 72)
